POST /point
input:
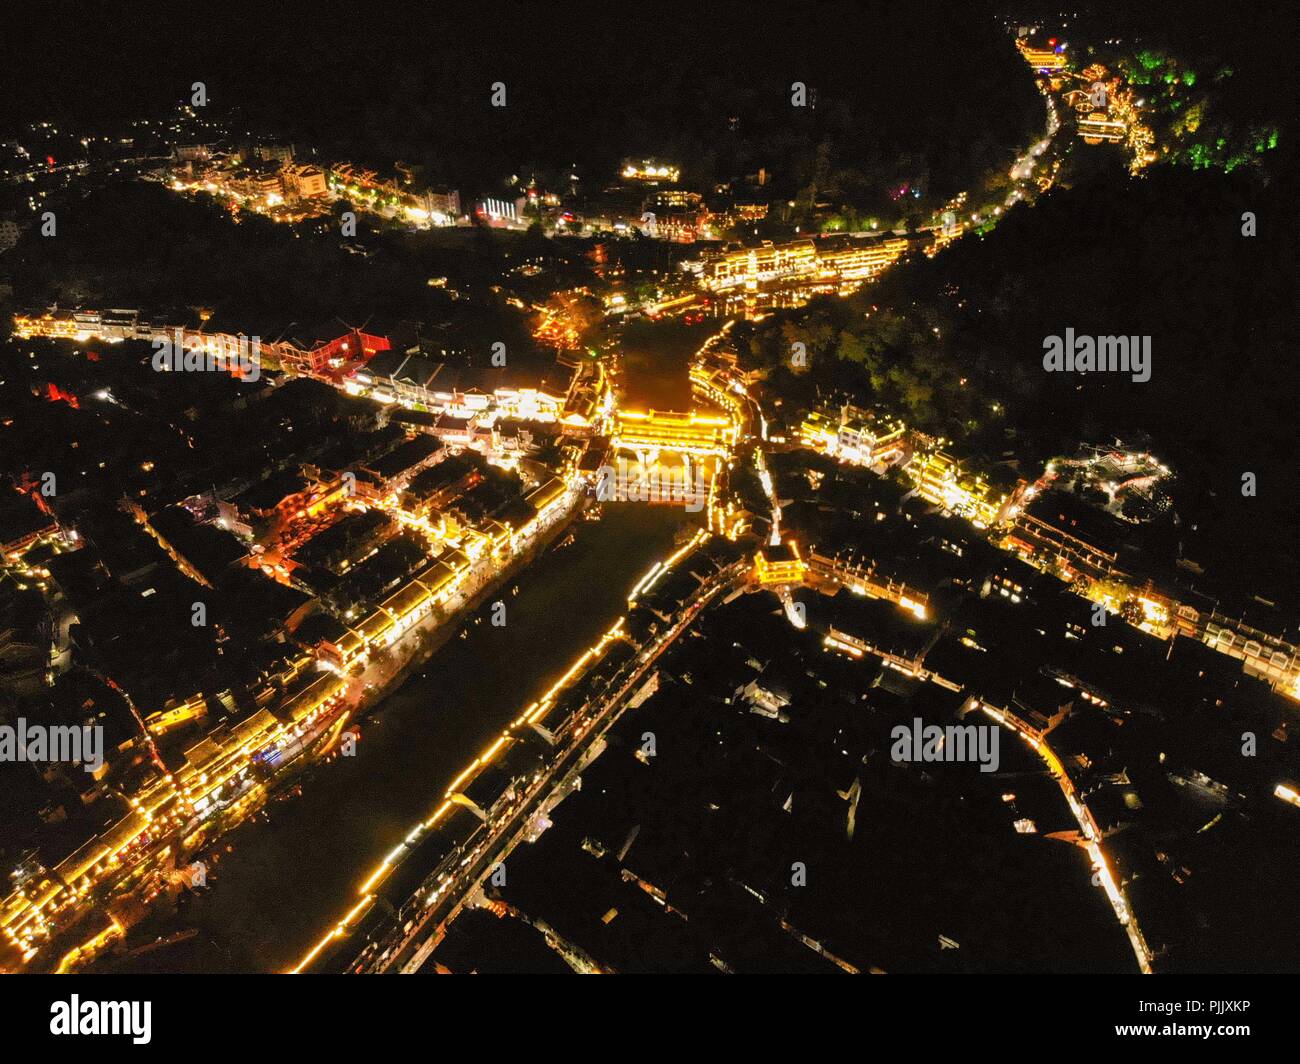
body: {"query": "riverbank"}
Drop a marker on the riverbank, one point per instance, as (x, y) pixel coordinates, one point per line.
(275, 882)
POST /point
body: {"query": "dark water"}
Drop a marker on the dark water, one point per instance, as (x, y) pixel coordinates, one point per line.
(289, 877)
(656, 357)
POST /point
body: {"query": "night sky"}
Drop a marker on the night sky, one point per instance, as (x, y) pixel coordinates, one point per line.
(585, 86)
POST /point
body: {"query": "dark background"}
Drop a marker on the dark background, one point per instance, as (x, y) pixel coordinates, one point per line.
(927, 89)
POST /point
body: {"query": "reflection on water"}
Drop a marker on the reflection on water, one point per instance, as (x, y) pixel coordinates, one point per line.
(655, 359)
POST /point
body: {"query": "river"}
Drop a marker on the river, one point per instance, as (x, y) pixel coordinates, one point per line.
(278, 882)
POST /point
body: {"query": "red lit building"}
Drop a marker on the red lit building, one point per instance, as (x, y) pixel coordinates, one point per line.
(325, 358)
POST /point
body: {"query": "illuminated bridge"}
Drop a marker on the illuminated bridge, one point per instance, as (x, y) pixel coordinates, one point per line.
(650, 433)
(664, 457)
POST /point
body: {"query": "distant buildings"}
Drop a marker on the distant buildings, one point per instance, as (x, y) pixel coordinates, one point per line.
(1046, 60)
(444, 203)
(268, 180)
(304, 182)
(650, 171)
(9, 234)
(260, 181)
(321, 550)
(831, 262)
(678, 216)
(389, 195)
(498, 212)
(281, 154)
(312, 357)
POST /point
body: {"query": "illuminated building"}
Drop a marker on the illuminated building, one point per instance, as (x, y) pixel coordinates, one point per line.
(679, 216)
(317, 358)
(854, 258)
(682, 225)
(857, 436)
(940, 479)
(497, 536)
(220, 759)
(672, 199)
(437, 486)
(546, 497)
(113, 326)
(750, 266)
(1044, 59)
(1159, 613)
(255, 182)
(500, 212)
(276, 153)
(457, 431)
(220, 780)
(1057, 531)
(375, 629)
(714, 386)
(819, 432)
(343, 651)
(1099, 126)
(24, 521)
(833, 262)
(390, 473)
(862, 577)
(443, 203)
(82, 325)
(870, 438)
(671, 305)
(9, 234)
(304, 182)
(215, 772)
(650, 171)
(1269, 657)
(387, 195)
(399, 376)
(281, 498)
(951, 218)
(355, 180)
(407, 607)
(781, 564)
(164, 720)
(413, 380)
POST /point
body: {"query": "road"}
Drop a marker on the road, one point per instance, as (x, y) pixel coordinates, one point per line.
(1088, 828)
